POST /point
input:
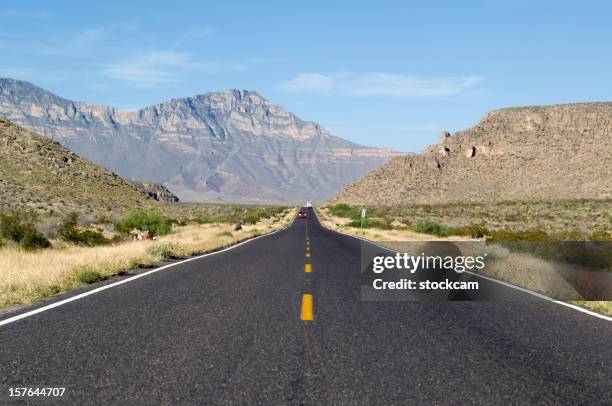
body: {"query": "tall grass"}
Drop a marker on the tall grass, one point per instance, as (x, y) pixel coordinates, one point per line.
(26, 277)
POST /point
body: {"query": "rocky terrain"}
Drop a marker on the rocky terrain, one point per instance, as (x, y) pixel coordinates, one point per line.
(232, 145)
(155, 191)
(40, 175)
(559, 152)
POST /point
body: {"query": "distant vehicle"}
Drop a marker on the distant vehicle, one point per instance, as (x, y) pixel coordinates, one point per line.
(302, 214)
(308, 204)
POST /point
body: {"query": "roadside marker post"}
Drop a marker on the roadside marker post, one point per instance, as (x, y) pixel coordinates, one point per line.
(363, 215)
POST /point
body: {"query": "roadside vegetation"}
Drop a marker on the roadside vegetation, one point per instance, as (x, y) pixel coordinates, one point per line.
(79, 251)
(506, 221)
(533, 245)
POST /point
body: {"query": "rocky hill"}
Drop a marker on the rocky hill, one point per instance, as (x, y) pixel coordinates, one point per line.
(41, 175)
(524, 153)
(155, 191)
(232, 145)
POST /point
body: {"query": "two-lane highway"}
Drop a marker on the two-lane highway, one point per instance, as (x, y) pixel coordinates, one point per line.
(280, 320)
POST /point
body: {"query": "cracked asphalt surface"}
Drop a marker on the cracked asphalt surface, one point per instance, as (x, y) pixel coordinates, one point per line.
(226, 329)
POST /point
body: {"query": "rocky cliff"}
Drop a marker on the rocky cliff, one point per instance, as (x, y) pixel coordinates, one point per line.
(232, 145)
(525, 153)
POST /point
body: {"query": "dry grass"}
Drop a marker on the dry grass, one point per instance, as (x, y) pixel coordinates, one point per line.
(26, 277)
(603, 307)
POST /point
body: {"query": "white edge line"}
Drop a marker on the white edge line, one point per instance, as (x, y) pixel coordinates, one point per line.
(509, 285)
(133, 278)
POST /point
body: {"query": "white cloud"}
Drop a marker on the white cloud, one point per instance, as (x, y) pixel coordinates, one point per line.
(160, 67)
(308, 82)
(379, 84)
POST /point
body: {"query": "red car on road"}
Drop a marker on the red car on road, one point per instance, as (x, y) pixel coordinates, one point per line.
(302, 214)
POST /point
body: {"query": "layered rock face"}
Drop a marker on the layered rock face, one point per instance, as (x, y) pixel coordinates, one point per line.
(525, 153)
(232, 145)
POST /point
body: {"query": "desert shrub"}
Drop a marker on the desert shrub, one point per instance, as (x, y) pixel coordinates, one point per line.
(344, 210)
(14, 226)
(155, 222)
(33, 240)
(370, 223)
(357, 223)
(88, 276)
(225, 234)
(430, 227)
(250, 215)
(1, 243)
(521, 235)
(251, 218)
(69, 232)
(20, 228)
(163, 251)
(476, 230)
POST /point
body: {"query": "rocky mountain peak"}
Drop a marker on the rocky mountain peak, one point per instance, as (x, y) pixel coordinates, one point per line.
(231, 145)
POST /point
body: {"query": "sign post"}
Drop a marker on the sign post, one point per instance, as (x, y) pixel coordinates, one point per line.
(363, 215)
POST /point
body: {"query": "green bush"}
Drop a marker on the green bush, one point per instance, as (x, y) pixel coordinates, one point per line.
(369, 223)
(88, 276)
(33, 240)
(69, 232)
(20, 229)
(14, 226)
(430, 227)
(155, 222)
(344, 210)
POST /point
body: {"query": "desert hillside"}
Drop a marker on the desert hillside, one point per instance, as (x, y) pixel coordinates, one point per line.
(41, 175)
(524, 153)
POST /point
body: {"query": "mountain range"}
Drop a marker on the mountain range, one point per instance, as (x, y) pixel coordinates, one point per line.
(224, 146)
(559, 152)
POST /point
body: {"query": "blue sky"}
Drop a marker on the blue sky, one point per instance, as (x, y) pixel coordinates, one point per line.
(389, 74)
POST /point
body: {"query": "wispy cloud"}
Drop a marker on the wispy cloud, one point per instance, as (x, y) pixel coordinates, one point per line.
(30, 14)
(309, 83)
(162, 67)
(378, 84)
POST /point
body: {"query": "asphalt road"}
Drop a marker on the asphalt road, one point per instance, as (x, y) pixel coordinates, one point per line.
(228, 329)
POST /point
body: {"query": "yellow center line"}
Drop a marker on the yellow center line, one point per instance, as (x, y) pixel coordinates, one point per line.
(307, 313)
(307, 268)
